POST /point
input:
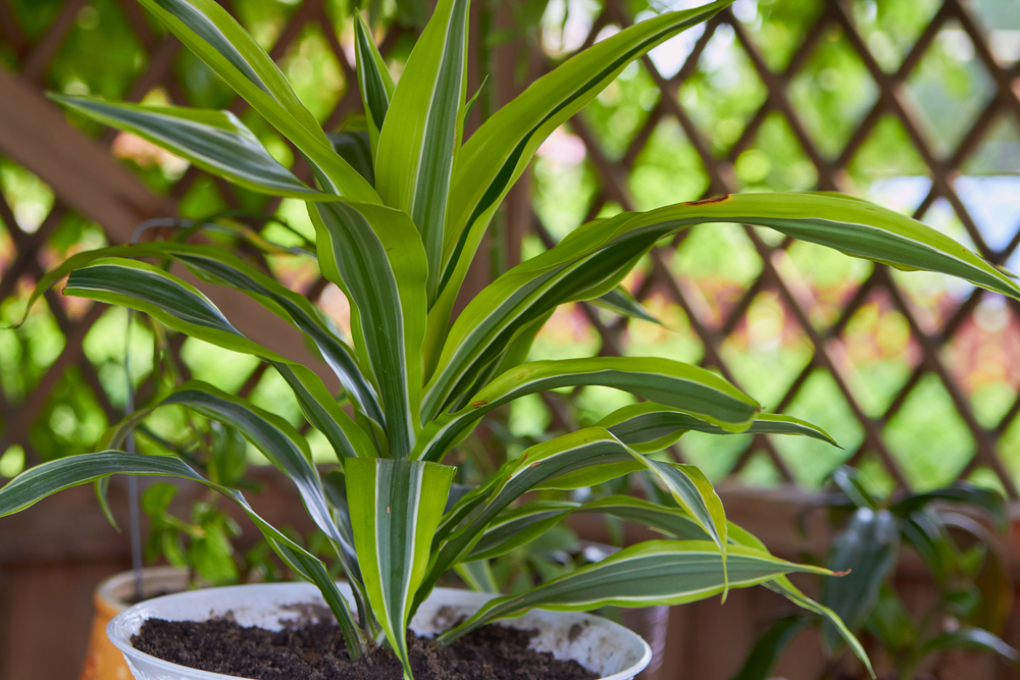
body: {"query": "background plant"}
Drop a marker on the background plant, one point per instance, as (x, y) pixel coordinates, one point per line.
(399, 248)
(948, 530)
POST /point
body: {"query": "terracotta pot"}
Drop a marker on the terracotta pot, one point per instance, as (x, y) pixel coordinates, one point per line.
(103, 661)
(603, 647)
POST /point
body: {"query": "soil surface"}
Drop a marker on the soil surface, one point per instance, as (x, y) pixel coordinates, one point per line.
(316, 651)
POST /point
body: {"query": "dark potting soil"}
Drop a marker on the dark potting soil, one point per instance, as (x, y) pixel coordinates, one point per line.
(316, 651)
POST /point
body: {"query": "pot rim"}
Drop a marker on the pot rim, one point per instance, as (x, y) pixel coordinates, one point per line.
(117, 628)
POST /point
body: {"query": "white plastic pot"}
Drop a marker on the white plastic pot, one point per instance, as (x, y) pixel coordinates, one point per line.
(601, 646)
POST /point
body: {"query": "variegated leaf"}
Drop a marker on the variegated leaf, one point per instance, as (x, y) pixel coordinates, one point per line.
(208, 30)
(643, 575)
(48, 478)
(395, 507)
(682, 386)
(375, 255)
(649, 427)
(498, 152)
(592, 260)
(414, 161)
(215, 141)
(374, 81)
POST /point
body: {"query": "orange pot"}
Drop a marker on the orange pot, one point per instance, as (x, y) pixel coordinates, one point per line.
(104, 661)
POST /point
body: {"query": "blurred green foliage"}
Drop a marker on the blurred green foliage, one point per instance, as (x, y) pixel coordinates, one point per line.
(830, 91)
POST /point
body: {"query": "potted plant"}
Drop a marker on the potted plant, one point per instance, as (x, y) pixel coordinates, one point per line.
(943, 528)
(416, 384)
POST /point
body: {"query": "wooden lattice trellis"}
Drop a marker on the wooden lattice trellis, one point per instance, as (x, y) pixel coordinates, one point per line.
(612, 175)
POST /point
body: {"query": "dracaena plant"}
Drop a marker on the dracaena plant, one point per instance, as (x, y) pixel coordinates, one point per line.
(399, 247)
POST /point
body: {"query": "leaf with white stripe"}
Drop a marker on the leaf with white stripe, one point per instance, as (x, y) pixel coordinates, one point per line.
(272, 435)
(180, 306)
(375, 256)
(414, 161)
(395, 507)
(583, 458)
(644, 575)
(215, 141)
(492, 160)
(682, 386)
(212, 34)
(649, 427)
(593, 259)
(519, 526)
(48, 478)
(692, 491)
(374, 81)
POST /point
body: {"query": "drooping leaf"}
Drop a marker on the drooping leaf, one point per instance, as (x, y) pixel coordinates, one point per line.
(417, 142)
(180, 306)
(962, 492)
(215, 141)
(395, 508)
(647, 574)
(375, 255)
(849, 481)
(970, 638)
(592, 260)
(211, 33)
(692, 491)
(682, 386)
(48, 478)
(648, 427)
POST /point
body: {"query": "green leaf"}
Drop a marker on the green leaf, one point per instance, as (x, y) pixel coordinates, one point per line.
(620, 301)
(375, 255)
(212, 34)
(180, 306)
(692, 491)
(582, 458)
(48, 478)
(478, 576)
(868, 548)
(215, 141)
(647, 574)
(395, 508)
(891, 623)
(519, 526)
(499, 151)
(648, 427)
(849, 481)
(414, 161)
(157, 499)
(593, 259)
(355, 147)
(988, 500)
(784, 587)
(970, 638)
(374, 82)
(272, 435)
(770, 647)
(687, 388)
